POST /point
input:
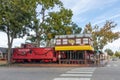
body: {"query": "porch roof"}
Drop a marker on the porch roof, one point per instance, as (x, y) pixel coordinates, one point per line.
(83, 47)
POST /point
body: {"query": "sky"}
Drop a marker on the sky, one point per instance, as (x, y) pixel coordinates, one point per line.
(94, 11)
(97, 12)
(85, 11)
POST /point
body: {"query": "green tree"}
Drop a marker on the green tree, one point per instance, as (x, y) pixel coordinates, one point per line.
(117, 54)
(39, 25)
(88, 28)
(15, 17)
(109, 51)
(58, 23)
(102, 35)
(75, 29)
(51, 23)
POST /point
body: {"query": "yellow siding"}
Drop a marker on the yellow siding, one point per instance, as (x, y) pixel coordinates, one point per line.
(85, 47)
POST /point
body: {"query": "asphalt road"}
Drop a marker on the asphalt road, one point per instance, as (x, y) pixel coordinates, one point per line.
(35, 73)
(110, 72)
(47, 73)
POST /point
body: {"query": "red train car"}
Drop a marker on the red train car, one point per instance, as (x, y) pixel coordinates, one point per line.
(34, 54)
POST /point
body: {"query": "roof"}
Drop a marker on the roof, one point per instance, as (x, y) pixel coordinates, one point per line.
(84, 47)
(73, 36)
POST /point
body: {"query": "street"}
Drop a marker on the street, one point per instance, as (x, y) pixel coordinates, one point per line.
(110, 72)
(37, 73)
(25, 73)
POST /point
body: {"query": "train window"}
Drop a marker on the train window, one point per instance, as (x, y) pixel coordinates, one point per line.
(85, 41)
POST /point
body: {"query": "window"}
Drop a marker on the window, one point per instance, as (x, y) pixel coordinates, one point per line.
(90, 42)
(78, 41)
(65, 41)
(58, 41)
(85, 41)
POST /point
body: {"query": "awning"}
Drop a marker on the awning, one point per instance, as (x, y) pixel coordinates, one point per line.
(83, 47)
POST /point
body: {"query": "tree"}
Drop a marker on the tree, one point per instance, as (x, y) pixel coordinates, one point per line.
(39, 19)
(15, 17)
(102, 35)
(75, 29)
(109, 51)
(117, 54)
(88, 28)
(51, 23)
(58, 23)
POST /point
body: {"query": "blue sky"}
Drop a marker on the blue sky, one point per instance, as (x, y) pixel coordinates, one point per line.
(85, 11)
(94, 11)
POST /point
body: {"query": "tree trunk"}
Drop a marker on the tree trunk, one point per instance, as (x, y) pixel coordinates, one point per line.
(9, 56)
(10, 41)
(38, 42)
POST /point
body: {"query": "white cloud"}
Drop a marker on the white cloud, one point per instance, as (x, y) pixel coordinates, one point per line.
(114, 46)
(81, 6)
(103, 18)
(3, 39)
(78, 6)
(115, 17)
(16, 42)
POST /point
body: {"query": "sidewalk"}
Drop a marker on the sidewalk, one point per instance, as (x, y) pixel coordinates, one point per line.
(2, 62)
(100, 64)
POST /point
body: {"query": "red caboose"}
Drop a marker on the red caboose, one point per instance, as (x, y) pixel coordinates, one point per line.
(33, 54)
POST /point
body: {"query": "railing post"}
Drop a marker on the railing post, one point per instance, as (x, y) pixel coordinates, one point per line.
(85, 53)
(59, 56)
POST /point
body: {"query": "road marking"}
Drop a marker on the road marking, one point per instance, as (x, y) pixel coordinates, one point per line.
(80, 72)
(108, 65)
(78, 75)
(83, 72)
(84, 68)
(115, 65)
(72, 79)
